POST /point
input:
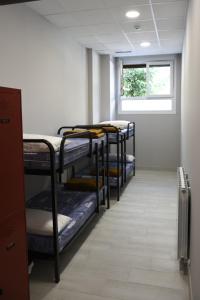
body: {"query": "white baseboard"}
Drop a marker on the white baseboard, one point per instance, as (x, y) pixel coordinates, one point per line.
(190, 283)
(155, 169)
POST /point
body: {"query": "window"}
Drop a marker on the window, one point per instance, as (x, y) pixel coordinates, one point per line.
(147, 87)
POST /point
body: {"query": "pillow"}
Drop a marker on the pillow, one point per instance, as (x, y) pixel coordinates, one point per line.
(40, 222)
(41, 147)
(121, 124)
(129, 158)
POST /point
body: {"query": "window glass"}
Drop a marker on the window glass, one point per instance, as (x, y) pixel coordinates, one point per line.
(159, 79)
(148, 87)
(134, 83)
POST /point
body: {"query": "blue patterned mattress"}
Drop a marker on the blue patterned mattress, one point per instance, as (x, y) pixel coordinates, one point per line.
(77, 205)
(76, 149)
(99, 140)
(113, 136)
(129, 171)
(113, 180)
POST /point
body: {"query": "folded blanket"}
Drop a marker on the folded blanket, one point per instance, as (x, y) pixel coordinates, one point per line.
(41, 147)
(83, 184)
(97, 133)
(110, 129)
(87, 133)
(121, 124)
(40, 222)
(112, 172)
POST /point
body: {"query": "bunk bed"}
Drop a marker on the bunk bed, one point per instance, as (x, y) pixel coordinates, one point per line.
(99, 138)
(126, 132)
(120, 166)
(63, 213)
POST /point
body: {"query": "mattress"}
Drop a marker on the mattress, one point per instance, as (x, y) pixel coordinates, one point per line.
(129, 171)
(113, 136)
(79, 206)
(113, 180)
(76, 149)
(98, 141)
(117, 123)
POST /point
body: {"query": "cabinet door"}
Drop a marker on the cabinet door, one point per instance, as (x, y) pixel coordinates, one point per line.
(11, 152)
(13, 259)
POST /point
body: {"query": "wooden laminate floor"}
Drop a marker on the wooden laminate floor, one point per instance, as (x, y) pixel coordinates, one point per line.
(129, 254)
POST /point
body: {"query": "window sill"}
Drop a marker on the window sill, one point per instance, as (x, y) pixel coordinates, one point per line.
(150, 106)
(145, 112)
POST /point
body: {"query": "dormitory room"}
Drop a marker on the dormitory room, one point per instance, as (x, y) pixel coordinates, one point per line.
(100, 150)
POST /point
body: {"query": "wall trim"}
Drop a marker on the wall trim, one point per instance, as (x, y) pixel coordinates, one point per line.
(190, 283)
(155, 168)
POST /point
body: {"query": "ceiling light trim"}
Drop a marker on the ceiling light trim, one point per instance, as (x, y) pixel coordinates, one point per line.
(154, 21)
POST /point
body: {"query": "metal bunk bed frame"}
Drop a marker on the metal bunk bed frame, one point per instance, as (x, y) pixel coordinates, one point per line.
(52, 172)
(102, 154)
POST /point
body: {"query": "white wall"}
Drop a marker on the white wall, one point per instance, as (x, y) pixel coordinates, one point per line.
(157, 135)
(112, 89)
(105, 87)
(49, 67)
(190, 132)
(108, 103)
(94, 86)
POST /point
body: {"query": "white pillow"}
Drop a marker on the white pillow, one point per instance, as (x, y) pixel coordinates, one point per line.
(41, 147)
(40, 222)
(121, 124)
(129, 158)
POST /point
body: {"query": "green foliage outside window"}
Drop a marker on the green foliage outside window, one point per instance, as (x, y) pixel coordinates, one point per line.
(134, 82)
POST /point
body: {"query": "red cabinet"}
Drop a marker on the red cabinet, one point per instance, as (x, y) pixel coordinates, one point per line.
(13, 248)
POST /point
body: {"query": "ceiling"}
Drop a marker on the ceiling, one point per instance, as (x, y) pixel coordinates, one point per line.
(103, 26)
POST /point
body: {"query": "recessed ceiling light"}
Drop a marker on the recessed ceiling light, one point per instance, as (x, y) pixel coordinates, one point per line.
(132, 14)
(145, 44)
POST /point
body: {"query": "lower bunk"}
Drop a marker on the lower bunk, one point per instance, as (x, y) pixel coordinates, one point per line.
(74, 210)
(125, 170)
(128, 171)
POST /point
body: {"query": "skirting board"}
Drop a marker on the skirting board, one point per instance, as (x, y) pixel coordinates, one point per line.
(155, 169)
(190, 283)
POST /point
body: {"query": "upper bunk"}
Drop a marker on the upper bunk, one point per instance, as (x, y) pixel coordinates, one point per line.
(43, 153)
(119, 130)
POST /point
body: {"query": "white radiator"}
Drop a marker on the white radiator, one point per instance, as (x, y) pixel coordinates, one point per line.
(184, 196)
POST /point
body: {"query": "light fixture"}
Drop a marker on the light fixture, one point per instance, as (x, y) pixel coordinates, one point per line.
(145, 44)
(132, 14)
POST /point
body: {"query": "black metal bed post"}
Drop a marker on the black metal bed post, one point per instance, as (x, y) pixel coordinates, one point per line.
(107, 170)
(54, 214)
(122, 159)
(118, 169)
(107, 155)
(52, 174)
(65, 127)
(134, 147)
(61, 158)
(97, 175)
(103, 174)
(125, 162)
